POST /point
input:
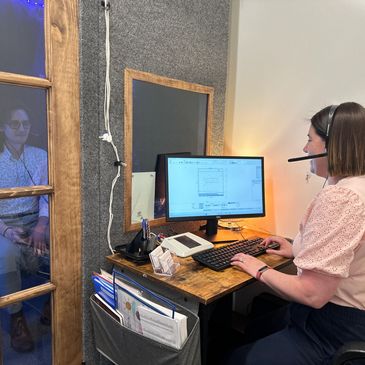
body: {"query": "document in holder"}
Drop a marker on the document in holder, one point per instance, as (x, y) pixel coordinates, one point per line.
(108, 309)
(104, 287)
(164, 329)
(153, 320)
(131, 296)
(145, 316)
(129, 301)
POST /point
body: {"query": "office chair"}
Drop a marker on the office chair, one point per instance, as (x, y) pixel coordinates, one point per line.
(350, 352)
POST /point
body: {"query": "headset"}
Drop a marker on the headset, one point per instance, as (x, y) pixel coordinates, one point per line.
(331, 113)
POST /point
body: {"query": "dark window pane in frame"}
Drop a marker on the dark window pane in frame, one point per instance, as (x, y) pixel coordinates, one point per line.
(26, 332)
(22, 44)
(23, 136)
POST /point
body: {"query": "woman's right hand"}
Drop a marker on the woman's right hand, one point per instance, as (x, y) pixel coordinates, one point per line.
(285, 249)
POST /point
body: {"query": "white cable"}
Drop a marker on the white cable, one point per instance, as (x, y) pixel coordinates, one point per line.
(107, 76)
(107, 137)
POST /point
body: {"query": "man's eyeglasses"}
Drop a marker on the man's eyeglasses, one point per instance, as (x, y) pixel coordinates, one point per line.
(15, 124)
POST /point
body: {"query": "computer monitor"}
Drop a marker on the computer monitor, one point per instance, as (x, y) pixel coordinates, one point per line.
(160, 189)
(214, 187)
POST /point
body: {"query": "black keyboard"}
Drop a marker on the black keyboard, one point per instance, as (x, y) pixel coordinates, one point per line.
(220, 258)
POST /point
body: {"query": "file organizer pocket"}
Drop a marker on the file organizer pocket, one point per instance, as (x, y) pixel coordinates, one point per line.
(123, 346)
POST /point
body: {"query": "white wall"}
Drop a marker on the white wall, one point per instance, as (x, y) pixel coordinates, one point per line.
(289, 59)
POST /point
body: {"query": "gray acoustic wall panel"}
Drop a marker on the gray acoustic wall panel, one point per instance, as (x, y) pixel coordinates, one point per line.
(181, 39)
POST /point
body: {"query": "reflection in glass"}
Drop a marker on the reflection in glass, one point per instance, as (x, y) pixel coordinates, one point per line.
(166, 120)
(25, 165)
(24, 222)
(22, 37)
(33, 102)
(160, 188)
(24, 243)
(24, 263)
(26, 334)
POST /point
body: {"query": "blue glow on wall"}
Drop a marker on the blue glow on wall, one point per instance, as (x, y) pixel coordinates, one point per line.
(33, 3)
(22, 40)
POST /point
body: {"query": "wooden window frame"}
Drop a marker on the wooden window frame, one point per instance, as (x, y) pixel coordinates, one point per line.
(64, 189)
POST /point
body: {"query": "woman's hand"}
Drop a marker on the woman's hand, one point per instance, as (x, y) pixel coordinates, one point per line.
(247, 263)
(285, 249)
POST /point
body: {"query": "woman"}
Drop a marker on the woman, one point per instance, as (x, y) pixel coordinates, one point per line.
(23, 221)
(329, 251)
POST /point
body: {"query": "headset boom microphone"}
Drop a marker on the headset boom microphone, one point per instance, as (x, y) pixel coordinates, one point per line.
(331, 113)
(309, 157)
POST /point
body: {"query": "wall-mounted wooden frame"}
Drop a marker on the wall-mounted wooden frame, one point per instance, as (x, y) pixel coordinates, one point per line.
(175, 132)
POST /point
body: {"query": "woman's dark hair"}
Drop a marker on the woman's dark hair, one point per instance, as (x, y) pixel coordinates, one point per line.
(346, 138)
(320, 121)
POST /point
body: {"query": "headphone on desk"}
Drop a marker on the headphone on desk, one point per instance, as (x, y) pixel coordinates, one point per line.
(326, 132)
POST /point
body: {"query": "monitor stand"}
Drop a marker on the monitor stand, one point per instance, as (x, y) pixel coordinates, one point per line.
(215, 235)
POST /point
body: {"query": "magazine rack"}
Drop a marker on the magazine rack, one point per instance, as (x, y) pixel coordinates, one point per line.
(123, 346)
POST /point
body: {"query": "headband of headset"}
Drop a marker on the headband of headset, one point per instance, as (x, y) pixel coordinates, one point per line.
(331, 113)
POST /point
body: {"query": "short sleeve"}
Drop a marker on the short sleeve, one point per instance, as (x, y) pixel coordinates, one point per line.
(332, 232)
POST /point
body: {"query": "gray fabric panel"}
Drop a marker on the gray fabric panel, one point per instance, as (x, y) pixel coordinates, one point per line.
(182, 39)
(123, 346)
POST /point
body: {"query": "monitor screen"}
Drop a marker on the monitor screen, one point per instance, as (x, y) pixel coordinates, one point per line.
(214, 187)
(160, 189)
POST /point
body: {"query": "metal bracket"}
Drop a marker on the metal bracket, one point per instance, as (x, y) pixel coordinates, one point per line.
(105, 4)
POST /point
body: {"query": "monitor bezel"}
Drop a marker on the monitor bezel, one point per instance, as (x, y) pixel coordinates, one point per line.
(208, 217)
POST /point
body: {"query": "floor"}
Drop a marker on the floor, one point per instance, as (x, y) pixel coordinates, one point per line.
(42, 336)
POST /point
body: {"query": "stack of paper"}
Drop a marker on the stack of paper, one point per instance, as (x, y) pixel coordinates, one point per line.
(163, 328)
(108, 309)
(103, 286)
(145, 316)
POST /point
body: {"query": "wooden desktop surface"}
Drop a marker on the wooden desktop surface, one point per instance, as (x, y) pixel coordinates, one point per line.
(198, 281)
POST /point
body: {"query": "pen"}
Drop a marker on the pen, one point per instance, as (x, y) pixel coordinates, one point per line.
(144, 229)
(148, 232)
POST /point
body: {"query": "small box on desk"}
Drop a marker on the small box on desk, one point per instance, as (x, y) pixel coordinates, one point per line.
(124, 346)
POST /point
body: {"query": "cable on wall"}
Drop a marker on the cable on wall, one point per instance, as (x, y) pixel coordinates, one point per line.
(107, 136)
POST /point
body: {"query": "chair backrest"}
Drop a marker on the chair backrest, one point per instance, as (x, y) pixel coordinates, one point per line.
(351, 353)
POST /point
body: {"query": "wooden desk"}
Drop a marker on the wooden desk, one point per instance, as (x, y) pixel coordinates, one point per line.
(197, 281)
(202, 284)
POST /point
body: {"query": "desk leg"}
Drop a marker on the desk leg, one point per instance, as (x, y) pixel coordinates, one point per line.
(213, 317)
(204, 316)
